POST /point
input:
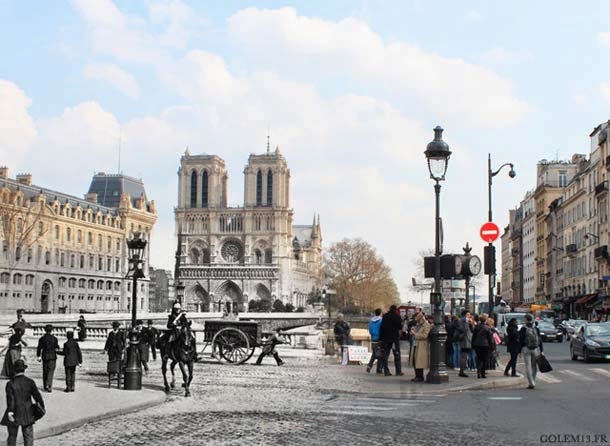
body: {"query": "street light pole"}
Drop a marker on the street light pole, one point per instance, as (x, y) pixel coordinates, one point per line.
(133, 370)
(490, 247)
(437, 154)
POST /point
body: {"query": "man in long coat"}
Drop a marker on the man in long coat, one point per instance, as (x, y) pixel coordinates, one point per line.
(47, 352)
(420, 353)
(115, 343)
(19, 393)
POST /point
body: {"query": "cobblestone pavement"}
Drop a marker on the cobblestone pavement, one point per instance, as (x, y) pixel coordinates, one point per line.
(306, 402)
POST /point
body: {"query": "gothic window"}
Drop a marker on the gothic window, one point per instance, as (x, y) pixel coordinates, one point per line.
(258, 256)
(82, 283)
(269, 188)
(231, 251)
(206, 256)
(259, 188)
(268, 256)
(194, 189)
(4, 277)
(195, 256)
(204, 189)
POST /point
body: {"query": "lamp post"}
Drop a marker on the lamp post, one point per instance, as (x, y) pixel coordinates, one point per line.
(437, 154)
(133, 370)
(491, 258)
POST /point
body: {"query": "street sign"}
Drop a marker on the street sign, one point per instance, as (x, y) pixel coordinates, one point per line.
(490, 232)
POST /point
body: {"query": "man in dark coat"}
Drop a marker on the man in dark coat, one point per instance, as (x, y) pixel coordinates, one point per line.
(72, 358)
(19, 393)
(342, 331)
(115, 343)
(150, 334)
(143, 344)
(82, 328)
(47, 352)
(390, 336)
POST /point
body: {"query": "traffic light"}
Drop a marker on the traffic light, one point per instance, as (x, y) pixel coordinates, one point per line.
(490, 259)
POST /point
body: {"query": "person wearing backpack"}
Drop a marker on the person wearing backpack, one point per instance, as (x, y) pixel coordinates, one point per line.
(531, 346)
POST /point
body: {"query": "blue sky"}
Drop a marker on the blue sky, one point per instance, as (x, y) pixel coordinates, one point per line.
(349, 90)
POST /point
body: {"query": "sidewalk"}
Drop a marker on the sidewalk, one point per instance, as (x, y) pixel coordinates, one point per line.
(90, 402)
(403, 384)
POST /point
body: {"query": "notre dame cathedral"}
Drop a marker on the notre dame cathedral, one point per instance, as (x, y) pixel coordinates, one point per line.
(230, 256)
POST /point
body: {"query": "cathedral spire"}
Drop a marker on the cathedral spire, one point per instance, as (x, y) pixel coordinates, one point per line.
(268, 143)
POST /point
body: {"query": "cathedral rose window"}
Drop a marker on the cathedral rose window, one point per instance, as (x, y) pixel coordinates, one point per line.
(231, 251)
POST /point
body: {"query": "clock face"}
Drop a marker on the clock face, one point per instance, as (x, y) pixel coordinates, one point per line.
(458, 265)
(474, 265)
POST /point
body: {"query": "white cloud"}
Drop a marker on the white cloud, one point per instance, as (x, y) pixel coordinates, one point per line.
(310, 46)
(17, 129)
(504, 56)
(604, 88)
(115, 76)
(604, 38)
(474, 16)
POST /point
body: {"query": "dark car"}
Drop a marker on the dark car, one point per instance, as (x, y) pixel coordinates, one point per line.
(549, 332)
(591, 341)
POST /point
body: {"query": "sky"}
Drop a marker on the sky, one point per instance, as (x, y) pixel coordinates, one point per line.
(349, 91)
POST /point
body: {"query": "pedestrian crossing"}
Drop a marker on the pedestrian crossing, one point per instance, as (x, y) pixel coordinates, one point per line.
(365, 405)
(589, 375)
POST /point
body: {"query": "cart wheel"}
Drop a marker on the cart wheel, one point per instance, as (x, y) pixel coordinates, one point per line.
(250, 353)
(231, 345)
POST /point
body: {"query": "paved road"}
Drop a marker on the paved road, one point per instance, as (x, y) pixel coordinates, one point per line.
(310, 402)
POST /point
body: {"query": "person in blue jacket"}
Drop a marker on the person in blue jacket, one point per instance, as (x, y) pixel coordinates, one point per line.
(376, 344)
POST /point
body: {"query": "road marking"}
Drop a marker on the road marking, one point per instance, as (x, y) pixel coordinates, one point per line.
(547, 378)
(601, 371)
(504, 398)
(576, 374)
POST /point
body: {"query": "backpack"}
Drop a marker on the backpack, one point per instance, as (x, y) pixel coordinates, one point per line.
(531, 338)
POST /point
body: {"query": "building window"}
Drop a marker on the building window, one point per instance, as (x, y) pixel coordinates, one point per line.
(72, 260)
(268, 256)
(99, 241)
(40, 228)
(117, 266)
(17, 279)
(259, 188)
(89, 237)
(72, 283)
(269, 188)
(204, 189)
(5, 277)
(79, 236)
(62, 259)
(563, 178)
(29, 279)
(47, 257)
(56, 232)
(68, 234)
(82, 261)
(194, 189)
(82, 283)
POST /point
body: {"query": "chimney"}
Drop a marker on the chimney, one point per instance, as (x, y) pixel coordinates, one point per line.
(91, 197)
(4, 172)
(24, 178)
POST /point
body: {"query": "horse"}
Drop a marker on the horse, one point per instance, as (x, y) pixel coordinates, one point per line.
(181, 351)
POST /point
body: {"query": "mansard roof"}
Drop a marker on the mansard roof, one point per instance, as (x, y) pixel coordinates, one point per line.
(109, 188)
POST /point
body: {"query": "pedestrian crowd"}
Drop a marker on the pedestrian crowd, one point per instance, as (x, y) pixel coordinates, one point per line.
(472, 344)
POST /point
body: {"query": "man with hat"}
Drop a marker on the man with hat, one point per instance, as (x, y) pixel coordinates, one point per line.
(115, 343)
(143, 344)
(47, 352)
(72, 358)
(150, 334)
(19, 393)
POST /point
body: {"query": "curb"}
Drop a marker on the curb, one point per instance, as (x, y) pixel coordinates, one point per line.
(65, 427)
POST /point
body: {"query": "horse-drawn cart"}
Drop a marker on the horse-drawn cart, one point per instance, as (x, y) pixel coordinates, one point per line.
(232, 342)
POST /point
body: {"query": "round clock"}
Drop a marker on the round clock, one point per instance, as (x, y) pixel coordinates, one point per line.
(474, 265)
(458, 265)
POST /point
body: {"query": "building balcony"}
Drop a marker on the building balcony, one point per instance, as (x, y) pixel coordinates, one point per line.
(601, 252)
(571, 250)
(601, 188)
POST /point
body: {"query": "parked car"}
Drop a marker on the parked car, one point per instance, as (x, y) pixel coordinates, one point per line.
(549, 332)
(591, 341)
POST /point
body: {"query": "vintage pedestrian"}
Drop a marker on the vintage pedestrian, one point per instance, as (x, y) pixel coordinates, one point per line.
(13, 352)
(20, 391)
(150, 333)
(143, 345)
(115, 343)
(72, 358)
(82, 328)
(269, 348)
(47, 349)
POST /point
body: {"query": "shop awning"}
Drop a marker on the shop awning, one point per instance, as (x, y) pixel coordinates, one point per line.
(585, 299)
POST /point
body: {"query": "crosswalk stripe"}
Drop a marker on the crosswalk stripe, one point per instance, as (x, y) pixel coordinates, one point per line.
(576, 374)
(601, 372)
(548, 378)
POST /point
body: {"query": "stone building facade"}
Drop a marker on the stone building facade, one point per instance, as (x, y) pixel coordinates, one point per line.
(63, 254)
(229, 256)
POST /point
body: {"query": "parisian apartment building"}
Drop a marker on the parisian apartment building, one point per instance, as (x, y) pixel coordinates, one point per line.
(64, 254)
(228, 256)
(555, 247)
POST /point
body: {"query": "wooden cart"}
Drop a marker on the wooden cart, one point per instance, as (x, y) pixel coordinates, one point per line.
(233, 342)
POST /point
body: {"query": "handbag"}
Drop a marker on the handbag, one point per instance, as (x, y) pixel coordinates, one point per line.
(497, 339)
(38, 411)
(543, 364)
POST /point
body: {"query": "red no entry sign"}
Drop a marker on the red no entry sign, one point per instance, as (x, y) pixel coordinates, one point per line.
(489, 232)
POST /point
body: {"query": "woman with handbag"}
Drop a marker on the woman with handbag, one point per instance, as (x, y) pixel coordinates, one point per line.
(482, 341)
(513, 347)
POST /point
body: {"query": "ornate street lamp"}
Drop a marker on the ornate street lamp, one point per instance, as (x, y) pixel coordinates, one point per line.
(490, 255)
(437, 153)
(133, 370)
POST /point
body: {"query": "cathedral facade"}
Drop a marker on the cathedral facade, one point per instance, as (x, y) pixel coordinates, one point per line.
(229, 256)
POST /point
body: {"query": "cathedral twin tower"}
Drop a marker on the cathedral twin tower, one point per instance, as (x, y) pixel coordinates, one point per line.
(230, 256)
